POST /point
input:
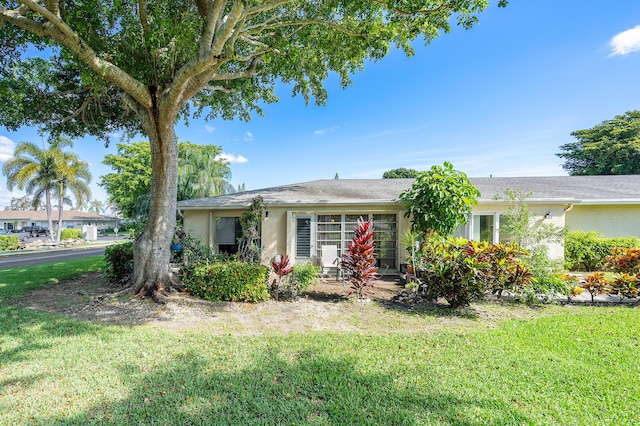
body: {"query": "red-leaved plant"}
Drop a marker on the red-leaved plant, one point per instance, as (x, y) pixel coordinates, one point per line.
(282, 268)
(360, 261)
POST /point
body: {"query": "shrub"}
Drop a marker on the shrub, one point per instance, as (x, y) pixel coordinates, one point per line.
(571, 287)
(194, 251)
(304, 276)
(625, 286)
(587, 250)
(229, 281)
(547, 272)
(624, 260)
(595, 284)
(71, 234)
(462, 271)
(9, 242)
(119, 262)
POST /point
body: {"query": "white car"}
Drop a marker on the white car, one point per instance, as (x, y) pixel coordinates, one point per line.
(22, 236)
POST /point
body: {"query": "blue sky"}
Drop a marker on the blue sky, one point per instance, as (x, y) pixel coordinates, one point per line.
(498, 99)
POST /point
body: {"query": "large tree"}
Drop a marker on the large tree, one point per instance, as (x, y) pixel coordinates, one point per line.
(142, 65)
(400, 173)
(201, 173)
(609, 148)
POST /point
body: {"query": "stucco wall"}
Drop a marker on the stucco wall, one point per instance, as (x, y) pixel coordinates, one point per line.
(612, 221)
(196, 224)
(278, 227)
(274, 230)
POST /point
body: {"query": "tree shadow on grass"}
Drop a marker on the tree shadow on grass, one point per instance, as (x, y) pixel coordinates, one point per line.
(24, 332)
(309, 386)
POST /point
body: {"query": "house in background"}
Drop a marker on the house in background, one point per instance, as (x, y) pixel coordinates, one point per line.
(303, 217)
(71, 219)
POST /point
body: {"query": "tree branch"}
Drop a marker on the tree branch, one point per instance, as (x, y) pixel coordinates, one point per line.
(207, 64)
(56, 29)
(204, 7)
(53, 6)
(144, 18)
(210, 28)
(217, 89)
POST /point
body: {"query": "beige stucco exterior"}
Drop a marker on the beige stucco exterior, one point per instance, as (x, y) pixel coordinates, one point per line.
(278, 225)
(606, 204)
(611, 220)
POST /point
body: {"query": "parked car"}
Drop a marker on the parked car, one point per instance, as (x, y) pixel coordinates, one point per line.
(36, 231)
(22, 236)
(5, 231)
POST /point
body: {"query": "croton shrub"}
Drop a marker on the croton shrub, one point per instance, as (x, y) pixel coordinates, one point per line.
(461, 271)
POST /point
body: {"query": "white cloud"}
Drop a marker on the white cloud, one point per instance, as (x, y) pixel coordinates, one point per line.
(322, 132)
(209, 129)
(7, 146)
(248, 137)
(626, 42)
(231, 158)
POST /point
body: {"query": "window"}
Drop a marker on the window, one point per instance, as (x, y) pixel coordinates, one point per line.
(483, 227)
(337, 229)
(303, 237)
(228, 231)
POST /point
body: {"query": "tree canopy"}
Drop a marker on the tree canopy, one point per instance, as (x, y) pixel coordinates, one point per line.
(609, 148)
(200, 174)
(400, 173)
(140, 66)
(439, 200)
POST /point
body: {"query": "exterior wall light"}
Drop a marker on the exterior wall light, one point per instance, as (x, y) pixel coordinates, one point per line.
(548, 215)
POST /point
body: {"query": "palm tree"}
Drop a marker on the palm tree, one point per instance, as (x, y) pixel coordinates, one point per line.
(72, 175)
(96, 206)
(47, 172)
(33, 170)
(200, 172)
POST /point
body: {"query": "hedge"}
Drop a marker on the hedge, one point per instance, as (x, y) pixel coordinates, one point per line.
(227, 281)
(586, 251)
(9, 242)
(119, 262)
(71, 234)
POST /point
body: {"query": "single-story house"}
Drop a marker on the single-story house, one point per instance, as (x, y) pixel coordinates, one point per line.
(302, 217)
(71, 219)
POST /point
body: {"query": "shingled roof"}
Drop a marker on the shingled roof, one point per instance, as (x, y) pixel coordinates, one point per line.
(345, 192)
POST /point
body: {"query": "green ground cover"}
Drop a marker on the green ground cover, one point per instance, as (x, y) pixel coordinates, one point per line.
(17, 281)
(576, 365)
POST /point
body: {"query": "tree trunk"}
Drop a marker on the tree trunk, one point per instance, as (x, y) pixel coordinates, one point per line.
(152, 254)
(60, 209)
(47, 207)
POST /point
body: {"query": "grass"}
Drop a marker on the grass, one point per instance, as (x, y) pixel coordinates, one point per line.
(15, 282)
(573, 365)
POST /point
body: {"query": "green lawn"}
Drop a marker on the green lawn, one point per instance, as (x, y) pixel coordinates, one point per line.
(576, 365)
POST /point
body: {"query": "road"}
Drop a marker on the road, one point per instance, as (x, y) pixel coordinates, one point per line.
(57, 255)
